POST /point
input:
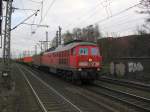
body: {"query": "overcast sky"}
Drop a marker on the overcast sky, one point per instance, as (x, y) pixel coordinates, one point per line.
(69, 14)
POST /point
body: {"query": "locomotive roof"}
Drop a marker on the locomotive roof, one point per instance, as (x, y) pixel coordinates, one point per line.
(70, 46)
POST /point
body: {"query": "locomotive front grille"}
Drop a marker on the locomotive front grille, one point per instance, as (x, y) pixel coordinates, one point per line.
(89, 64)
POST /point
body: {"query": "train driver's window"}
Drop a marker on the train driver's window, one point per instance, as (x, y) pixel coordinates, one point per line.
(83, 51)
(73, 51)
(94, 51)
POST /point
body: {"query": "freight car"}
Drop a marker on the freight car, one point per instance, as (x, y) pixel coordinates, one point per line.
(25, 60)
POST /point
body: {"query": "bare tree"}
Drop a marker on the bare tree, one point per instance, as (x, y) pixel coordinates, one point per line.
(140, 30)
(90, 33)
(145, 9)
(145, 4)
(68, 36)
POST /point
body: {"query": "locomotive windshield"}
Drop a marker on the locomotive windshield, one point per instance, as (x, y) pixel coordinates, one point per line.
(83, 51)
(94, 51)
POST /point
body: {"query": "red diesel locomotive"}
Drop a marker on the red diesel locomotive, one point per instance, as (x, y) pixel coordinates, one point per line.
(77, 61)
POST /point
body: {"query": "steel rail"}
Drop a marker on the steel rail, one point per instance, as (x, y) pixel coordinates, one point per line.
(123, 97)
(37, 97)
(92, 98)
(61, 97)
(130, 84)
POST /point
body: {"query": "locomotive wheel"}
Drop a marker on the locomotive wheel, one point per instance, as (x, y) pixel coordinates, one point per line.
(72, 79)
(91, 81)
(78, 82)
(67, 78)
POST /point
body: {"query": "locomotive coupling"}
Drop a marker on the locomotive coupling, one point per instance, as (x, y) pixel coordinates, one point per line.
(98, 69)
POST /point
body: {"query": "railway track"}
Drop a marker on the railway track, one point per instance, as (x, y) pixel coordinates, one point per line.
(103, 103)
(135, 102)
(139, 86)
(48, 98)
(140, 103)
(90, 97)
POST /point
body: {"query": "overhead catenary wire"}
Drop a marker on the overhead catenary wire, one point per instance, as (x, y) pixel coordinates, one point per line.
(25, 20)
(123, 23)
(21, 1)
(23, 9)
(119, 13)
(43, 17)
(81, 19)
(36, 1)
(106, 5)
(36, 25)
(50, 6)
(127, 29)
(124, 29)
(42, 10)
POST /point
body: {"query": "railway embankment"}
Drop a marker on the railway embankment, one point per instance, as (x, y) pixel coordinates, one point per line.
(17, 98)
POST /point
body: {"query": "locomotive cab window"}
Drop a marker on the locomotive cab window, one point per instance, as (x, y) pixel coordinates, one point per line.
(83, 51)
(94, 51)
(73, 51)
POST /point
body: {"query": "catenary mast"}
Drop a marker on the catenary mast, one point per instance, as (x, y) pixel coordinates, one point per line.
(7, 38)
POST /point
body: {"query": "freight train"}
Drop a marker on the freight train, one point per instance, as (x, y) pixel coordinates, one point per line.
(78, 61)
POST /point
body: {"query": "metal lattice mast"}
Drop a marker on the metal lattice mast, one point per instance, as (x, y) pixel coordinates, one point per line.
(7, 36)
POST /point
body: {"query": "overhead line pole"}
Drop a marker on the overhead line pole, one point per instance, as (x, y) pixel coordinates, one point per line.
(1, 18)
(45, 43)
(59, 42)
(7, 38)
(47, 40)
(57, 38)
(35, 49)
(1, 41)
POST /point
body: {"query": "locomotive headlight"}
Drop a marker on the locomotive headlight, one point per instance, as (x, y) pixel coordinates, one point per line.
(90, 60)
